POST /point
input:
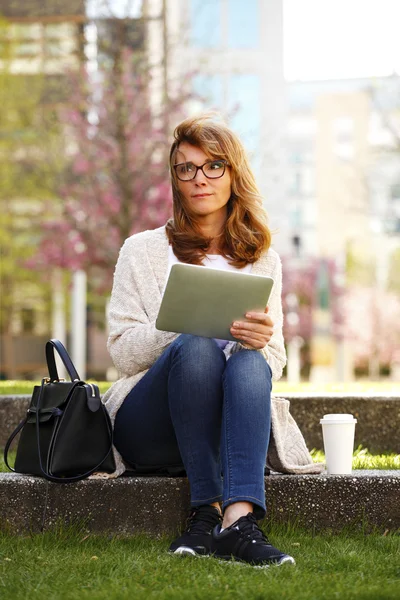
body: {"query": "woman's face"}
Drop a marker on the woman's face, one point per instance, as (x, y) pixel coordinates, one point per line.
(204, 197)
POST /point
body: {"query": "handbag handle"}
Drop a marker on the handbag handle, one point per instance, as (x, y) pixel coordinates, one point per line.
(76, 478)
(9, 441)
(52, 345)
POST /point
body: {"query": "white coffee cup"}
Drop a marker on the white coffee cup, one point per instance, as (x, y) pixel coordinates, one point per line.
(338, 433)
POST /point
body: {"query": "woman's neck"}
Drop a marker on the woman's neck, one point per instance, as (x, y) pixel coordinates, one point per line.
(216, 244)
(212, 225)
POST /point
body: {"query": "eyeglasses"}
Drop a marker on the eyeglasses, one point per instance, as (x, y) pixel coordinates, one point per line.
(212, 169)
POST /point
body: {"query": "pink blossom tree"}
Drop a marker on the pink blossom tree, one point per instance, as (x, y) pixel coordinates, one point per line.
(117, 181)
(301, 280)
(300, 299)
(372, 321)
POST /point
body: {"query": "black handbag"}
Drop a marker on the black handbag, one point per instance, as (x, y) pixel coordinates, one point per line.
(67, 433)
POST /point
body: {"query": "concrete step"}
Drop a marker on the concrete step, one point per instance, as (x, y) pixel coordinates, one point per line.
(378, 418)
(377, 427)
(159, 505)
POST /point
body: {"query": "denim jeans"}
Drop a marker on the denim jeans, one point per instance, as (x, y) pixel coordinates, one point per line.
(214, 416)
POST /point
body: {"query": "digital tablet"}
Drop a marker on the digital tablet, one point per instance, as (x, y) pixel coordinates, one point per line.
(203, 301)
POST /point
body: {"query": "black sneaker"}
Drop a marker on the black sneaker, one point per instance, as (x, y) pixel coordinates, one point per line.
(196, 539)
(244, 541)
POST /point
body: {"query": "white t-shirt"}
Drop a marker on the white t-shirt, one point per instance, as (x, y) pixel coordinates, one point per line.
(213, 261)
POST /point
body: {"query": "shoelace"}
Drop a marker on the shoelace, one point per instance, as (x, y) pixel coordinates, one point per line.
(249, 530)
(201, 521)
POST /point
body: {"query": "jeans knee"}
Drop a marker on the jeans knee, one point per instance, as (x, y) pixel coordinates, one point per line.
(199, 346)
(201, 356)
(249, 368)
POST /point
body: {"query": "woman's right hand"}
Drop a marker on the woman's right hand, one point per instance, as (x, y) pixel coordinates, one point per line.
(255, 333)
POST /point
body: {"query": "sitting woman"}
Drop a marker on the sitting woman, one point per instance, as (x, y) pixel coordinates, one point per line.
(193, 401)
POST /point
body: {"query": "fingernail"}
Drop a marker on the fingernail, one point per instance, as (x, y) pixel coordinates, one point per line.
(235, 325)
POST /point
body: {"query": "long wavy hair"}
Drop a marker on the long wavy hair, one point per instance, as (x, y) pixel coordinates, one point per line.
(246, 234)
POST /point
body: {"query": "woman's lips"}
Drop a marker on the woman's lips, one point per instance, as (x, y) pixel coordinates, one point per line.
(200, 195)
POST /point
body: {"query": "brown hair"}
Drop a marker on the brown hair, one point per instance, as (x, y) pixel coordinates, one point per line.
(246, 233)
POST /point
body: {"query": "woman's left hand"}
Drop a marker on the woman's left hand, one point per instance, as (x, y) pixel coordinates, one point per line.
(256, 332)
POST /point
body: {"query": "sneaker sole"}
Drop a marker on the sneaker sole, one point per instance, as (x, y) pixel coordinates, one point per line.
(187, 551)
(233, 560)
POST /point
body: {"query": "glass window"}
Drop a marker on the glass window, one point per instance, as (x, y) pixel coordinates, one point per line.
(26, 31)
(244, 106)
(60, 30)
(205, 23)
(28, 49)
(302, 126)
(395, 191)
(208, 88)
(344, 150)
(297, 182)
(343, 128)
(243, 20)
(295, 217)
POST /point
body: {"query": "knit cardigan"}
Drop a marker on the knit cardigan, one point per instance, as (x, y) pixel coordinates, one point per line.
(134, 342)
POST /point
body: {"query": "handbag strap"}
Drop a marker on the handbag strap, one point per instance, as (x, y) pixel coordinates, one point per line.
(9, 442)
(46, 474)
(51, 346)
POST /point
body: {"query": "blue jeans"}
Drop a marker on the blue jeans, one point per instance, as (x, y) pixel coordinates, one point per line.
(214, 416)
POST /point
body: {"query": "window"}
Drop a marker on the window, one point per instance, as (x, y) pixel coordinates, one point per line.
(31, 31)
(209, 90)
(205, 23)
(343, 141)
(27, 320)
(344, 150)
(295, 217)
(48, 48)
(395, 192)
(296, 183)
(302, 183)
(302, 127)
(244, 105)
(243, 23)
(343, 128)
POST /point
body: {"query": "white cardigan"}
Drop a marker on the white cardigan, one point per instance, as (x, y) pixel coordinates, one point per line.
(134, 343)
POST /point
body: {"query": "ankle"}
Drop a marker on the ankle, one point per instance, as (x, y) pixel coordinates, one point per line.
(233, 512)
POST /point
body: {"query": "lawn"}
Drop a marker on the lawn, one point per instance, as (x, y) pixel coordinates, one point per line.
(72, 564)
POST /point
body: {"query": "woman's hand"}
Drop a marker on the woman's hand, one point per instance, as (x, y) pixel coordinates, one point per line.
(256, 333)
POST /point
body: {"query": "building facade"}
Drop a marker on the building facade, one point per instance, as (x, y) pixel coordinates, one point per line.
(344, 171)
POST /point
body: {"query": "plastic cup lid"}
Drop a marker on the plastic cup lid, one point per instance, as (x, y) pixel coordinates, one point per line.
(338, 418)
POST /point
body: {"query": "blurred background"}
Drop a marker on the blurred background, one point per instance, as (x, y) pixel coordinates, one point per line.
(90, 92)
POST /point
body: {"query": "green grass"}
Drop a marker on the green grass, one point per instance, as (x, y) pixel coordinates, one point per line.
(73, 565)
(281, 387)
(362, 459)
(11, 387)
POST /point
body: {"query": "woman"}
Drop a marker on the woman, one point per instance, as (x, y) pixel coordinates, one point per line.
(195, 401)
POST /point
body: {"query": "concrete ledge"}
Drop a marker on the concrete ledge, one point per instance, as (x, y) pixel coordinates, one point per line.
(378, 418)
(12, 411)
(158, 505)
(377, 428)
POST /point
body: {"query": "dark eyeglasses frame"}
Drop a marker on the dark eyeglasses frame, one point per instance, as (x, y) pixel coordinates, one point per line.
(201, 169)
